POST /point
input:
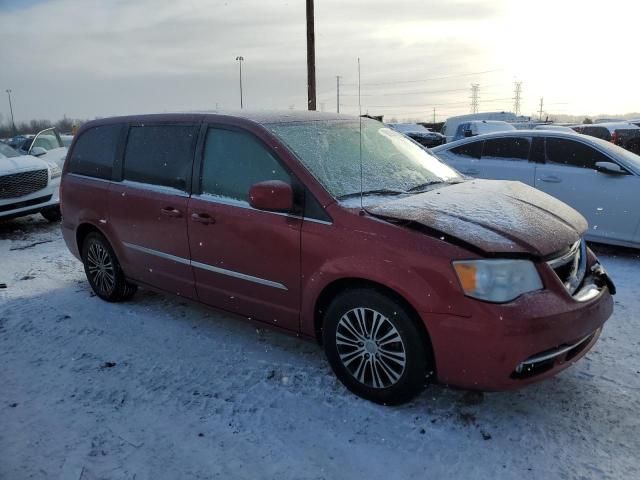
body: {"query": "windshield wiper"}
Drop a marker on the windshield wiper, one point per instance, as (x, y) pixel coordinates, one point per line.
(379, 191)
(425, 185)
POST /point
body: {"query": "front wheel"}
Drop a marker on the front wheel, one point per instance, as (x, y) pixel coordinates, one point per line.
(103, 270)
(374, 346)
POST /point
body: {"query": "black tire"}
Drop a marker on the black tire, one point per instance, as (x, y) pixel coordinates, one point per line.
(360, 367)
(51, 214)
(103, 270)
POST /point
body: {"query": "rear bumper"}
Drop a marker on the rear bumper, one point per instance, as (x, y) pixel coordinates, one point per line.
(502, 347)
(69, 236)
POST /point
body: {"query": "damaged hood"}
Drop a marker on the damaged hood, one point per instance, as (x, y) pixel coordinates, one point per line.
(494, 216)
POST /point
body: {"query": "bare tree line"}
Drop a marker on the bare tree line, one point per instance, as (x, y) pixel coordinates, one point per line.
(64, 125)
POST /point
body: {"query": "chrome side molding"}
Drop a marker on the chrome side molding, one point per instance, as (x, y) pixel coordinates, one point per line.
(205, 266)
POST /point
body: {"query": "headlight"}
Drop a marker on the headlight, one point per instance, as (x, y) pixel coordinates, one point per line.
(55, 171)
(497, 280)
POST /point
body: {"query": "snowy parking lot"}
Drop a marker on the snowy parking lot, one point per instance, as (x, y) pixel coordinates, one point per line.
(157, 388)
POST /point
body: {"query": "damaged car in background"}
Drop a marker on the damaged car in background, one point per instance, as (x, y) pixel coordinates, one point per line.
(342, 230)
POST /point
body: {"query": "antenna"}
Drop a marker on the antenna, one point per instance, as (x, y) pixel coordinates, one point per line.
(360, 120)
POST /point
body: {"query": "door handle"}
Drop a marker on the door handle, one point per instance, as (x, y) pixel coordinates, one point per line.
(171, 212)
(551, 179)
(204, 218)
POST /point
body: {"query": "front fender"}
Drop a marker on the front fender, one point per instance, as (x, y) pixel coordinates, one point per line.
(427, 290)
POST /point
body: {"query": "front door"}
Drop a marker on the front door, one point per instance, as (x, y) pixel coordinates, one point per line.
(148, 208)
(244, 260)
(608, 202)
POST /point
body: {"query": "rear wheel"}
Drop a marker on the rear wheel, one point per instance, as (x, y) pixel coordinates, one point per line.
(374, 346)
(103, 270)
(51, 214)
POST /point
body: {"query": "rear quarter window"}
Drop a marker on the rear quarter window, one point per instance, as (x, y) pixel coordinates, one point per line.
(95, 150)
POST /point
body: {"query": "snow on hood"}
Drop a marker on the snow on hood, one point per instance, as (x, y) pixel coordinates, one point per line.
(492, 215)
(20, 164)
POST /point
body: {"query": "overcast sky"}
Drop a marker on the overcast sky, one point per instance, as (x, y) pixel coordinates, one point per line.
(88, 58)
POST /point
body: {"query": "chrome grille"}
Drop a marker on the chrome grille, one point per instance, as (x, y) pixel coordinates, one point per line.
(571, 266)
(21, 184)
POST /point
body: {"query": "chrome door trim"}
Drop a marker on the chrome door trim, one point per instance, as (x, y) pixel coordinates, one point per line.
(89, 177)
(154, 188)
(242, 276)
(204, 266)
(315, 220)
(207, 197)
(157, 253)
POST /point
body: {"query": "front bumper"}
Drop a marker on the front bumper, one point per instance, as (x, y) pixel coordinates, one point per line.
(502, 347)
(32, 203)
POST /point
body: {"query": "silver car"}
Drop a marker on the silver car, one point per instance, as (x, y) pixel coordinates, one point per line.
(596, 177)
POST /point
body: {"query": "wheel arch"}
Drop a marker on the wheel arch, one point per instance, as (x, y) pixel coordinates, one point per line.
(83, 230)
(331, 290)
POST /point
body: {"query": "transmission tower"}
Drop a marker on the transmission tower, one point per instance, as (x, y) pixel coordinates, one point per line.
(517, 93)
(541, 108)
(475, 91)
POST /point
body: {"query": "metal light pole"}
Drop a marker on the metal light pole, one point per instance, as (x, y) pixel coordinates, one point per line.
(240, 59)
(13, 123)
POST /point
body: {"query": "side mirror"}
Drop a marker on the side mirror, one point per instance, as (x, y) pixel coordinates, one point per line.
(37, 151)
(468, 133)
(271, 195)
(609, 168)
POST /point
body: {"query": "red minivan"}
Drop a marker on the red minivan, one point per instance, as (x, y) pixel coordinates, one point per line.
(338, 229)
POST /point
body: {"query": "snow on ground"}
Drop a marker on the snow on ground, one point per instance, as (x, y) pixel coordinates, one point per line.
(160, 389)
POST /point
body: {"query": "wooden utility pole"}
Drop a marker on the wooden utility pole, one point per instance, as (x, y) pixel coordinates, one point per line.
(311, 58)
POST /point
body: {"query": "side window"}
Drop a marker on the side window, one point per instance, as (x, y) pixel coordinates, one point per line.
(94, 152)
(235, 160)
(598, 132)
(509, 148)
(572, 153)
(160, 154)
(468, 150)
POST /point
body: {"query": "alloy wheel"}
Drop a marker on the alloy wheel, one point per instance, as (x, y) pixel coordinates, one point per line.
(101, 269)
(370, 348)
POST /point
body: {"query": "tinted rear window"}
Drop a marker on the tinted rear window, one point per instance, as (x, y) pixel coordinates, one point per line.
(95, 150)
(160, 154)
(598, 132)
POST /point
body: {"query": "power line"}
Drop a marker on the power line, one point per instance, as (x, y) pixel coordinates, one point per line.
(469, 74)
(429, 104)
(421, 92)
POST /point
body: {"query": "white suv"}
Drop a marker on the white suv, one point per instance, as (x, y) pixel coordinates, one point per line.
(28, 185)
